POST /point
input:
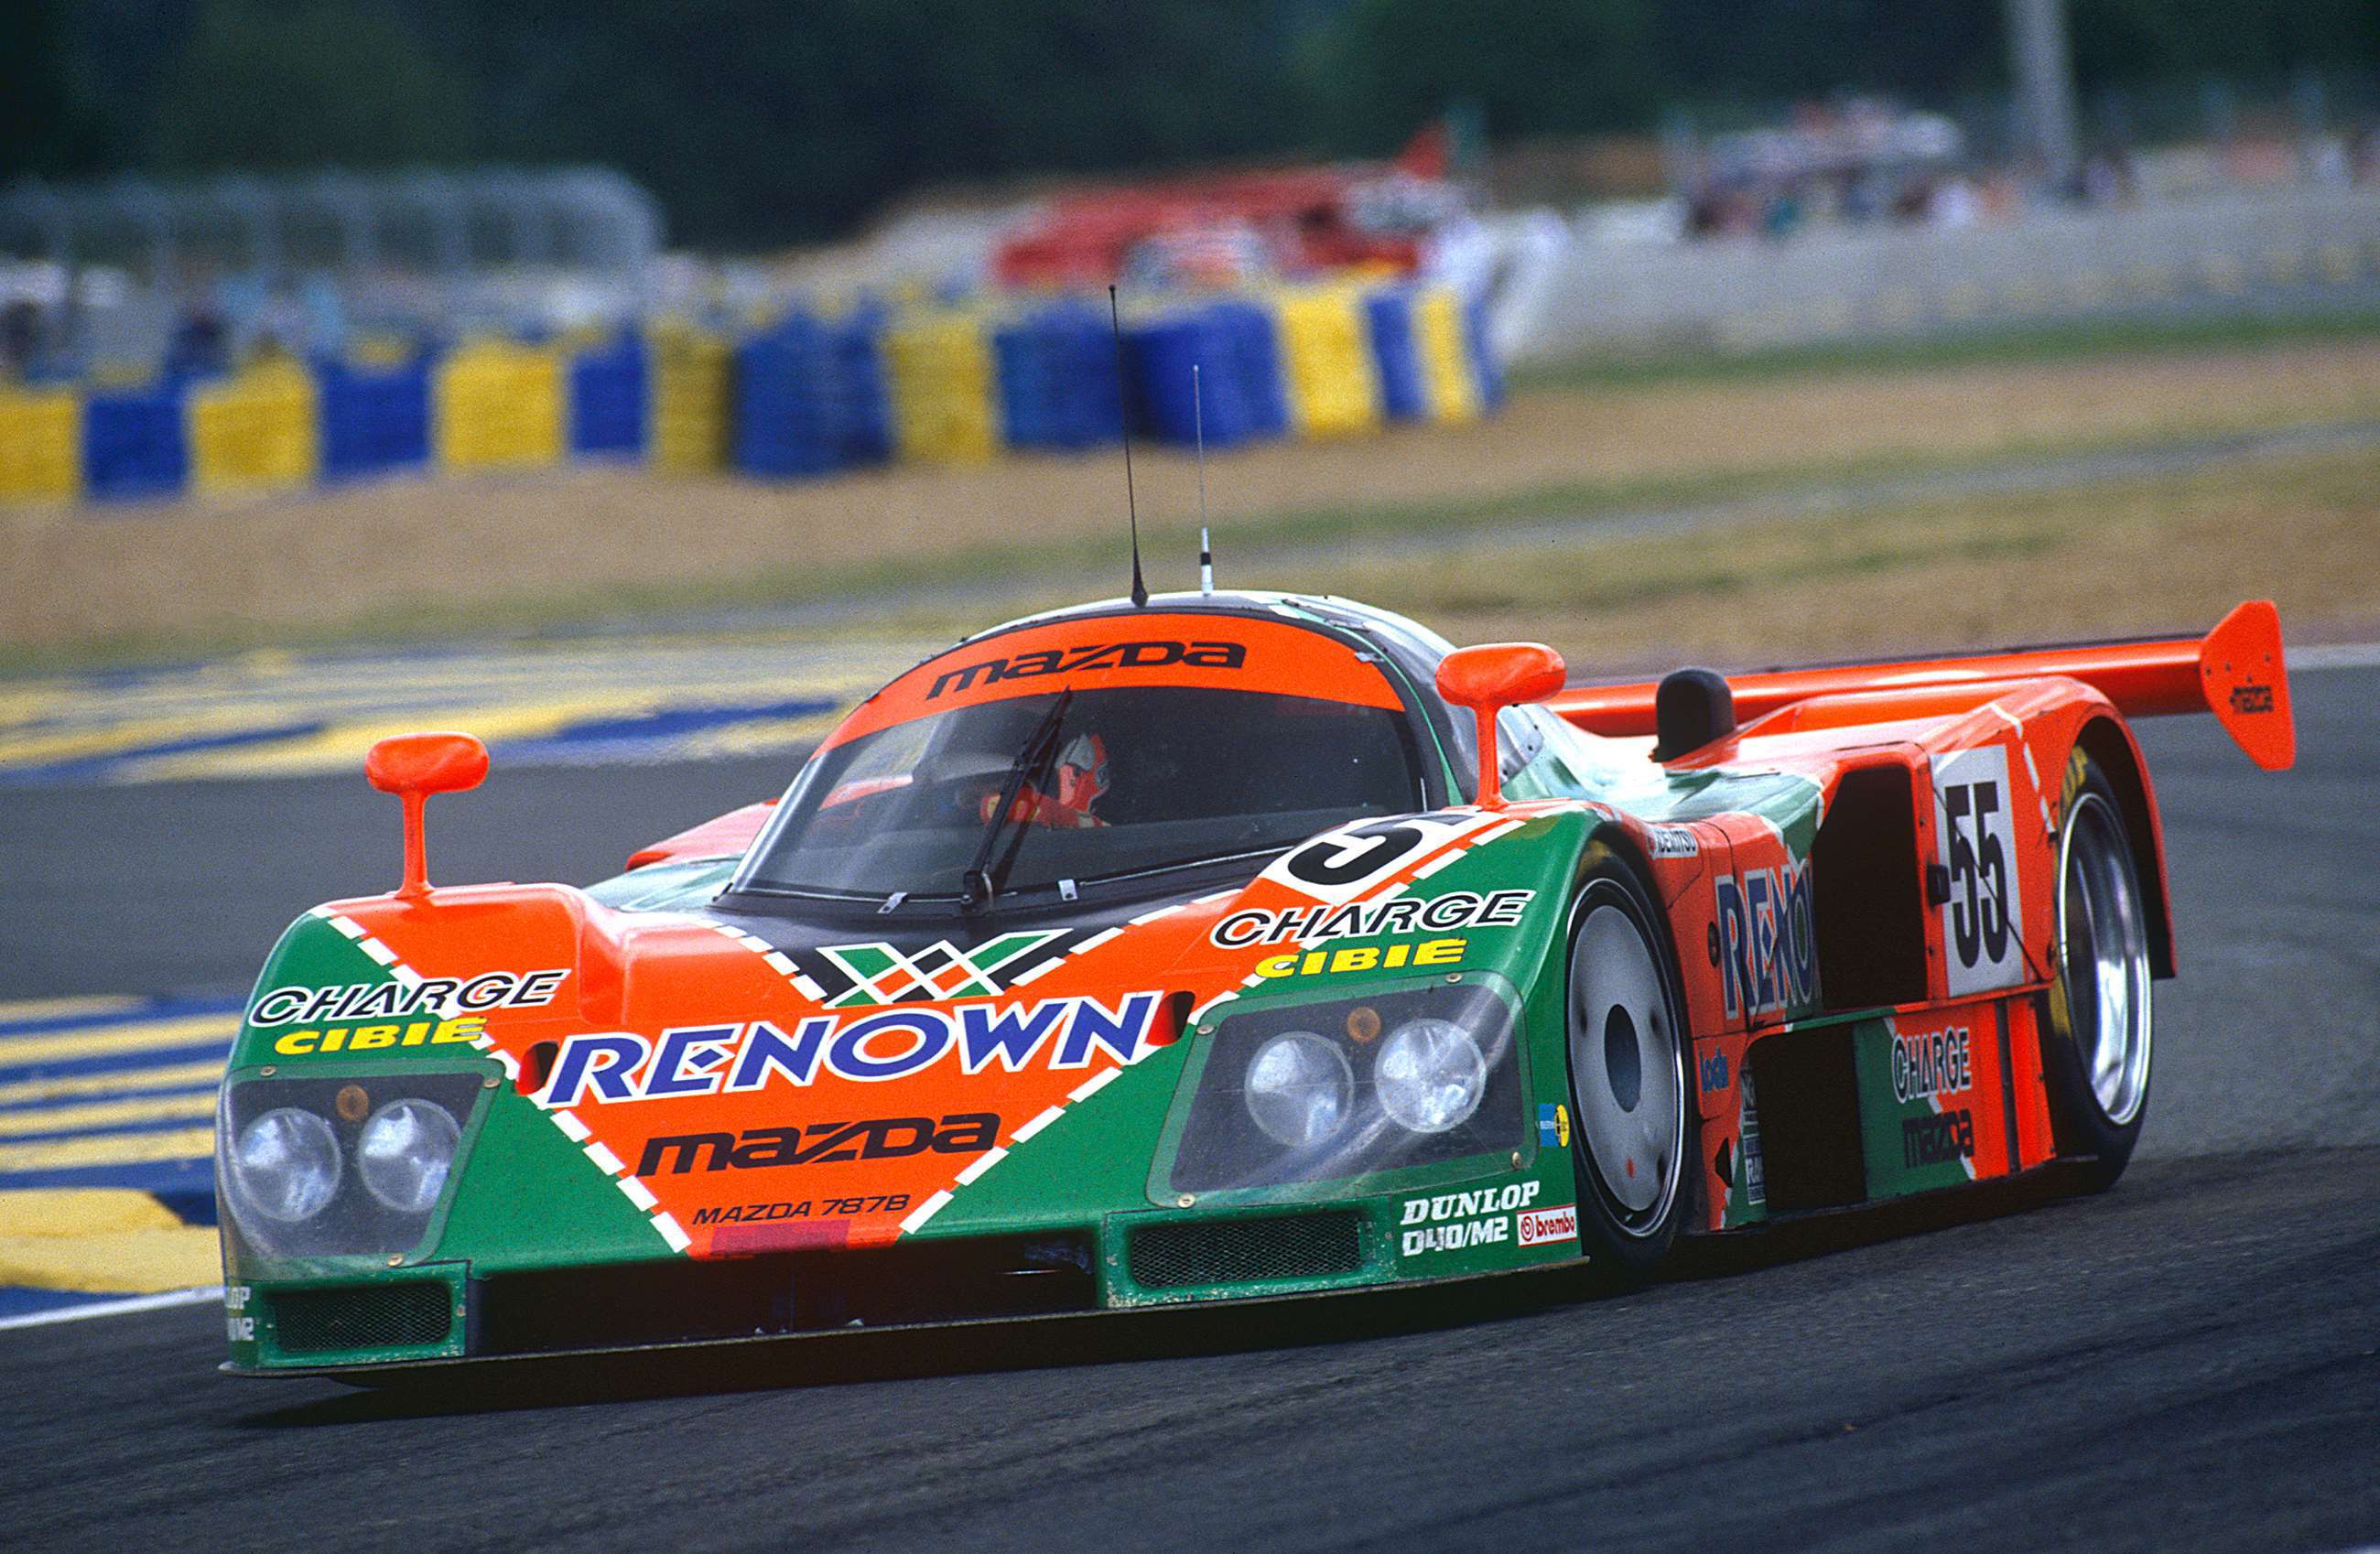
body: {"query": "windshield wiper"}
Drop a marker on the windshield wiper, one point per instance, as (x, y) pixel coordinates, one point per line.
(980, 881)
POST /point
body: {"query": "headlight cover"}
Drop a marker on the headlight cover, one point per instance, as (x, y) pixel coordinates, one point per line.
(404, 1152)
(1300, 1089)
(1432, 1074)
(284, 1165)
(338, 1164)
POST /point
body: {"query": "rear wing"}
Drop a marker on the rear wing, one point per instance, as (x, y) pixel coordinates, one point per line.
(2235, 672)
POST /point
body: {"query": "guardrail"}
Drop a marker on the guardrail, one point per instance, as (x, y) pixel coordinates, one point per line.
(2300, 248)
(802, 395)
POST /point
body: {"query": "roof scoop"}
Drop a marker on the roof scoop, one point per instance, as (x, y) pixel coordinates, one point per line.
(414, 766)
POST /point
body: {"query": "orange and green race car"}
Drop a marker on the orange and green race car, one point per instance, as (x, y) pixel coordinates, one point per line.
(1230, 945)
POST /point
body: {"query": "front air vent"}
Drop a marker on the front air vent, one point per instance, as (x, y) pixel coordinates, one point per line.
(406, 1315)
(1282, 1246)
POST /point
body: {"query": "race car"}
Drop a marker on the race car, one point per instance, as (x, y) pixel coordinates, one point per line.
(1222, 946)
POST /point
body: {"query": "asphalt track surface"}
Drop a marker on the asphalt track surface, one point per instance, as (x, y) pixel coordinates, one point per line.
(2191, 1361)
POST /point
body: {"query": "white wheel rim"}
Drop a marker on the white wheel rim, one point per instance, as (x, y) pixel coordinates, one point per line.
(2104, 959)
(1627, 1071)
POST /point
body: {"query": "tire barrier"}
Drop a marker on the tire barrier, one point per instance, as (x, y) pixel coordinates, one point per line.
(41, 445)
(375, 416)
(690, 404)
(1334, 386)
(257, 431)
(801, 396)
(498, 406)
(608, 387)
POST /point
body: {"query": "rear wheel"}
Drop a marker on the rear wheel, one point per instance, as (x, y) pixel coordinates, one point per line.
(1628, 1076)
(2097, 1053)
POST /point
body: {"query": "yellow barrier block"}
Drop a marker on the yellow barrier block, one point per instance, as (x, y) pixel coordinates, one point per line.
(693, 415)
(938, 368)
(256, 432)
(498, 406)
(41, 445)
(1447, 378)
(1334, 386)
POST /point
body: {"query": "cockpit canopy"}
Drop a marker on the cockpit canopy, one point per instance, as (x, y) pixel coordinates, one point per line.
(1101, 747)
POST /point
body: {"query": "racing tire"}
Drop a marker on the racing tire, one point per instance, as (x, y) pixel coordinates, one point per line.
(1635, 1132)
(2097, 1051)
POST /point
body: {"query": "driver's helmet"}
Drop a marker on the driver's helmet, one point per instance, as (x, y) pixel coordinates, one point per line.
(1082, 773)
(1079, 780)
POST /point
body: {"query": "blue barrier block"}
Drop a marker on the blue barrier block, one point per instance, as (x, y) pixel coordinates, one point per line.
(863, 396)
(1056, 377)
(610, 389)
(1388, 315)
(136, 444)
(373, 418)
(1250, 348)
(1483, 360)
(811, 397)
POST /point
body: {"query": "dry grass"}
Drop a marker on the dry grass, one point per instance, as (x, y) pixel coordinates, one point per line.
(609, 539)
(2112, 560)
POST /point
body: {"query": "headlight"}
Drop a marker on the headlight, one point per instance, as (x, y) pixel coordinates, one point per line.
(1430, 1075)
(404, 1151)
(1427, 1072)
(1300, 1089)
(286, 1164)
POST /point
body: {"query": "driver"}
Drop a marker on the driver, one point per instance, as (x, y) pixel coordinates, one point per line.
(1079, 780)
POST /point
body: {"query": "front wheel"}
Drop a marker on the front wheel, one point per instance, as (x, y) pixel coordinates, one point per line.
(1627, 1075)
(2097, 1053)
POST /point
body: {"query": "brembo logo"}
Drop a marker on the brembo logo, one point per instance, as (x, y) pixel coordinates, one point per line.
(1092, 655)
(1063, 1033)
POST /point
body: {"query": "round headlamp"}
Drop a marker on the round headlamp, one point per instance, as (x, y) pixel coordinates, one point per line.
(286, 1164)
(1300, 1089)
(404, 1152)
(1430, 1075)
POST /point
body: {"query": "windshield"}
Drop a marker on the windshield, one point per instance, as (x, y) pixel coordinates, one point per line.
(1097, 783)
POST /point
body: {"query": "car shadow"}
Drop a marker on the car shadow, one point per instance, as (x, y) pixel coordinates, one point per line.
(846, 1357)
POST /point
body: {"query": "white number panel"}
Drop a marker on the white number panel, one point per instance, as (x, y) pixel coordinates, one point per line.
(1983, 923)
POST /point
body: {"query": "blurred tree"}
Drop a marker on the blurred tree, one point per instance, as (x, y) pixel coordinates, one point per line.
(1384, 67)
(280, 84)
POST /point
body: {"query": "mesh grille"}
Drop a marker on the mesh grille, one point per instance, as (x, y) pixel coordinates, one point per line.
(1247, 1251)
(363, 1317)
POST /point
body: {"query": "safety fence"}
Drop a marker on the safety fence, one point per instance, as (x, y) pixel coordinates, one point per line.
(800, 395)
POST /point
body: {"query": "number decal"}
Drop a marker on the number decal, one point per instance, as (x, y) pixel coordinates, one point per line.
(1334, 861)
(1342, 864)
(1984, 921)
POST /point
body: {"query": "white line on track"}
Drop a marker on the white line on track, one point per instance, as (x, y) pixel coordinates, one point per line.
(115, 1309)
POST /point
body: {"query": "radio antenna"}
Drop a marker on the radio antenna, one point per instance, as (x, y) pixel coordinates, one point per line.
(1198, 420)
(1123, 408)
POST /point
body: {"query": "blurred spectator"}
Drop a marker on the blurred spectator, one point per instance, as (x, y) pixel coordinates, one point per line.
(202, 346)
(20, 339)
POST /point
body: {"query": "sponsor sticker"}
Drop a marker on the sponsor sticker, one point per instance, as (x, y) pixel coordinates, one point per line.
(1090, 656)
(378, 1038)
(817, 1143)
(1769, 943)
(1455, 1222)
(347, 1003)
(1372, 919)
(1673, 842)
(1553, 1125)
(1932, 1063)
(1348, 958)
(867, 1046)
(1544, 1227)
